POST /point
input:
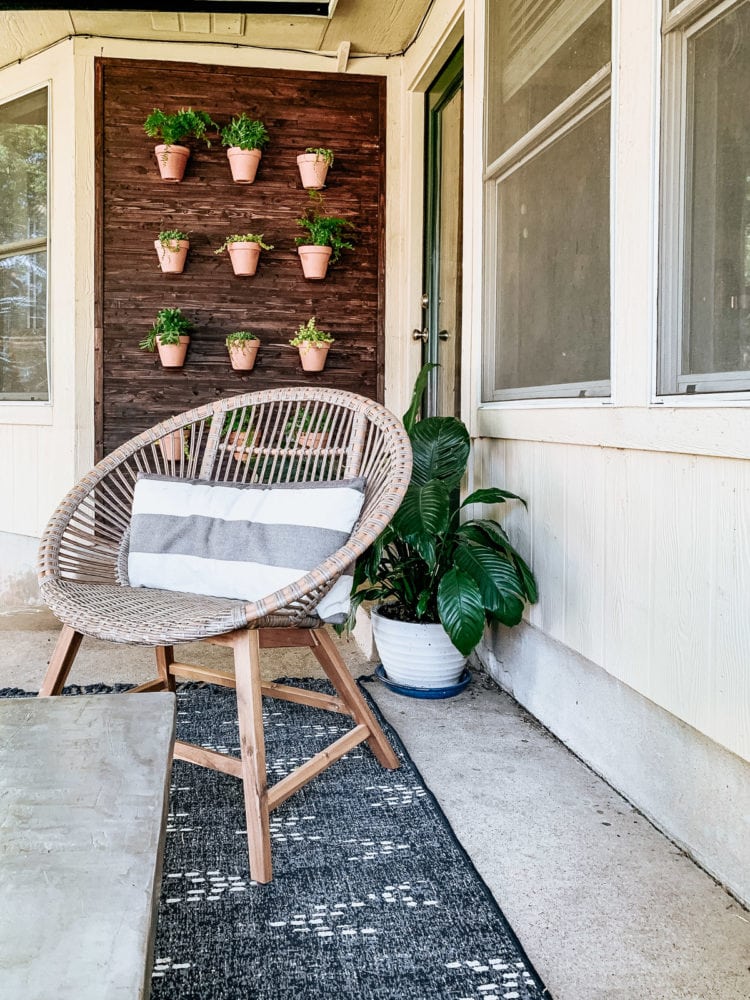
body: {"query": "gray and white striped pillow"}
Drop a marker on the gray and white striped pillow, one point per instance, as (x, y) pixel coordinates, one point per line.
(240, 540)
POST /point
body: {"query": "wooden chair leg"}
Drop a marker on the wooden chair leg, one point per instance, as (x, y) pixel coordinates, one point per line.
(336, 670)
(68, 644)
(252, 748)
(164, 660)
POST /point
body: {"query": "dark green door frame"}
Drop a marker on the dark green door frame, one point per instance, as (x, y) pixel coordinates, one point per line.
(438, 97)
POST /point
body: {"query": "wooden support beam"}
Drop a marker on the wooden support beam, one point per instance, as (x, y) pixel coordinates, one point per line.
(164, 660)
(209, 675)
(283, 789)
(269, 638)
(157, 684)
(253, 753)
(68, 644)
(342, 56)
(338, 674)
(208, 758)
(302, 696)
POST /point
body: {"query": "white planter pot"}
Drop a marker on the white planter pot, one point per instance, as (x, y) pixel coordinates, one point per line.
(415, 654)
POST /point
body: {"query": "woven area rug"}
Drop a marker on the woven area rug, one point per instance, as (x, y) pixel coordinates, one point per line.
(373, 898)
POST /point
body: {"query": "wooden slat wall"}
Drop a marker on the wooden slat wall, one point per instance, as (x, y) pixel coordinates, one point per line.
(345, 113)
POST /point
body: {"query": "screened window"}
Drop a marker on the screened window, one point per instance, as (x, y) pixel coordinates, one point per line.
(23, 248)
(547, 199)
(704, 343)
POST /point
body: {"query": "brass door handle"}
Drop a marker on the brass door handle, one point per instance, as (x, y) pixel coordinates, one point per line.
(422, 335)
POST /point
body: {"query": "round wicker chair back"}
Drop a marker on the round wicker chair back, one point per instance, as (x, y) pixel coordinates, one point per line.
(275, 436)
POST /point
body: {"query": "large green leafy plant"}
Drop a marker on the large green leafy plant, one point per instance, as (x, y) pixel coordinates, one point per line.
(433, 565)
(173, 128)
(168, 327)
(244, 133)
(324, 230)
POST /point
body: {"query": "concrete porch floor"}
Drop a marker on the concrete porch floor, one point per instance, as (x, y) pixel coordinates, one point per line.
(605, 906)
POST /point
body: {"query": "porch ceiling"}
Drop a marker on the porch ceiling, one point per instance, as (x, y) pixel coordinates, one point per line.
(379, 28)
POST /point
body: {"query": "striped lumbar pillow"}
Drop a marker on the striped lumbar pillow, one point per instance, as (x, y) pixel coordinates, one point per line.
(239, 540)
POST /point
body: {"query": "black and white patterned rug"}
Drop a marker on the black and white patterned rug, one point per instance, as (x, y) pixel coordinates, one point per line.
(373, 897)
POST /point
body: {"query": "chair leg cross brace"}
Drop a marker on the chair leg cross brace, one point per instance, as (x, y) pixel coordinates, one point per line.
(251, 765)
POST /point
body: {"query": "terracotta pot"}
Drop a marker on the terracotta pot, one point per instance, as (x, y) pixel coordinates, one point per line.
(313, 170)
(314, 261)
(241, 444)
(173, 446)
(244, 257)
(172, 255)
(172, 161)
(313, 439)
(173, 355)
(244, 164)
(313, 355)
(243, 354)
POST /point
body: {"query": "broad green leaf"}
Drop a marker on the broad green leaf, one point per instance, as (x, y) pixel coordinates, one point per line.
(424, 511)
(475, 531)
(479, 529)
(440, 450)
(461, 609)
(491, 495)
(424, 600)
(495, 575)
(510, 611)
(410, 417)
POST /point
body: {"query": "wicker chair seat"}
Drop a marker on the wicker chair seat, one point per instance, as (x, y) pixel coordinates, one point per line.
(142, 616)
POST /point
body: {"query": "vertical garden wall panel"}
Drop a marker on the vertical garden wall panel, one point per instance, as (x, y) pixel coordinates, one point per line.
(345, 113)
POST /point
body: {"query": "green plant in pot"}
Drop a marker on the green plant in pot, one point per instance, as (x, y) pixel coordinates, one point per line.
(172, 129)
(324, 241)
(313, 345)
(314, 165)
(170, 334)
(239, 433)
(171, 247)
(309, 428)
(442, 576)
(243, 349)
(245, 139)
(244, 250)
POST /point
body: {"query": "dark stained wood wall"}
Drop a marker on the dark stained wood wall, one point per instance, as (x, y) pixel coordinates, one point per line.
(345, 113)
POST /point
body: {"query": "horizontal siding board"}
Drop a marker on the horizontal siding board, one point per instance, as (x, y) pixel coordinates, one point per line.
(643, 565)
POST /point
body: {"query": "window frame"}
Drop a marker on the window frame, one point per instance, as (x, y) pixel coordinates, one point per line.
(678, 27)
(31, 246)
(587, 99)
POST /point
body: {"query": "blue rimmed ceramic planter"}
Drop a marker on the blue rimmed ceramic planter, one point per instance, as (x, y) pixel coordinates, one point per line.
(416, 654)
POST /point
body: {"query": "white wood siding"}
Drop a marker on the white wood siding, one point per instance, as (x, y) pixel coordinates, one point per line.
(643, 564)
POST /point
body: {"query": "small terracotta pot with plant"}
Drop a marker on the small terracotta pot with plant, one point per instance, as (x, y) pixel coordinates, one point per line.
(239, 433)
(323, 243)
(245, 139)
(313, 345)
(172, 129)
(310, 430)
(244, 251)
(174, 446)
(171, 246)
(243, 349)
(170, 335)
(314, 165)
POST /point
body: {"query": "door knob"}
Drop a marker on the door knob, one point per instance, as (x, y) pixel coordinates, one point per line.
(444, 335)
(422, 335)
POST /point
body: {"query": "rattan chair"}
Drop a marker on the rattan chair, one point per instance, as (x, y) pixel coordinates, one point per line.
(83, 569)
